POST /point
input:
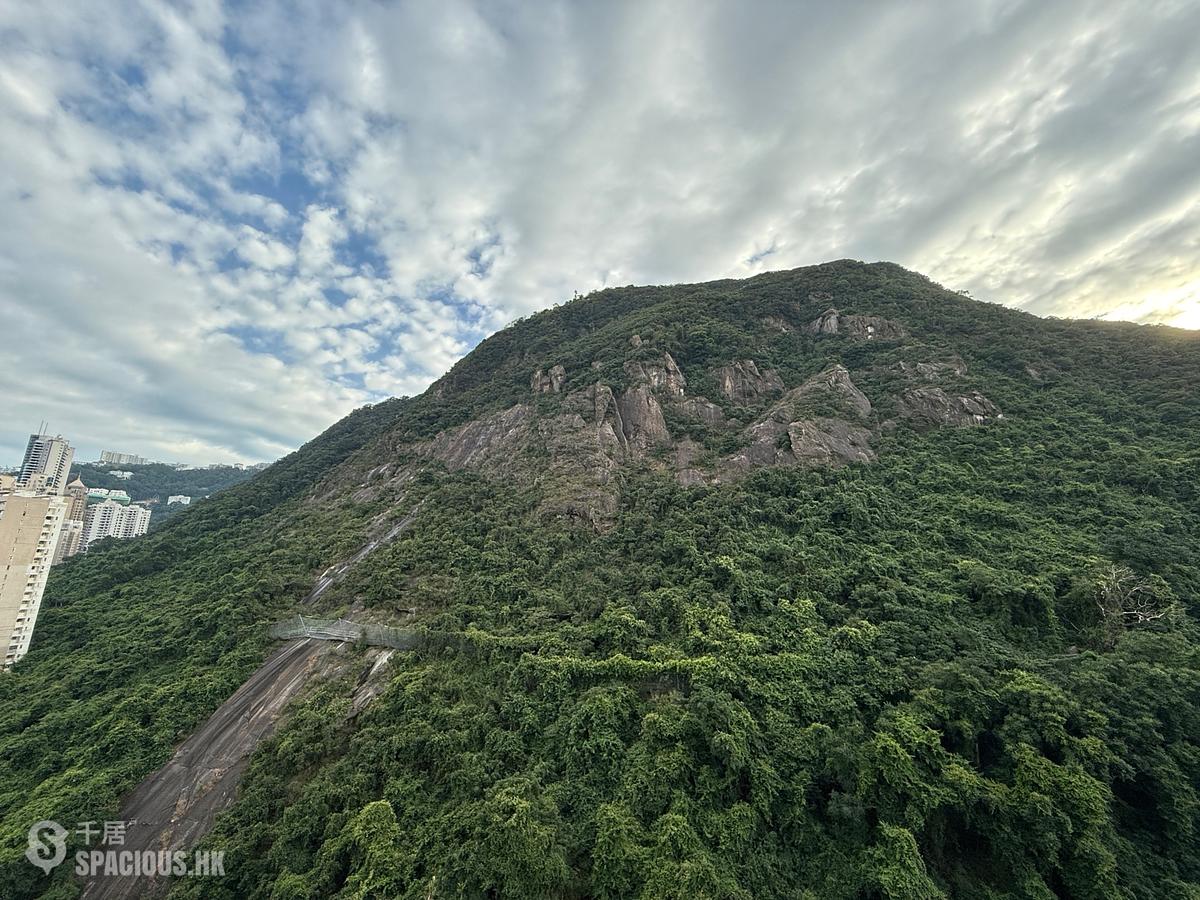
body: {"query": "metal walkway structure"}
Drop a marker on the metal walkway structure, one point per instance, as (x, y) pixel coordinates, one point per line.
(345, 630)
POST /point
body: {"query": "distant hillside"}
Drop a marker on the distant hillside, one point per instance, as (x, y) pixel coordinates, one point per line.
(828, 583)
(157, 482)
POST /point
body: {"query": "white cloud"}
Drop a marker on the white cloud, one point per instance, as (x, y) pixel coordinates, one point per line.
(225, 229)
(259, 250)
(323, 231)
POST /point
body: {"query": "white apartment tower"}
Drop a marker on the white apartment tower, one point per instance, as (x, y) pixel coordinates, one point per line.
(111, 519)
(30, 524)
(47, 463)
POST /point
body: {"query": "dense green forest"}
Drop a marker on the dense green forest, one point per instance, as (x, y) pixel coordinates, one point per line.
(158, 481)
(967, 668)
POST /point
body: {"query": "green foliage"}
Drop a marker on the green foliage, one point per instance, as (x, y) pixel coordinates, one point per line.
(884, 681)
(158, 481)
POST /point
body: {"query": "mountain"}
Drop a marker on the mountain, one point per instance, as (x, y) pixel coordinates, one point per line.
(824, 583)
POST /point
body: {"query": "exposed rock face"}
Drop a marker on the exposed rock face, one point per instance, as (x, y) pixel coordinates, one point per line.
(642, 418)
(778, 323)
(686, 470)
(548, 382)
(819, 441)
(782, 437)
(829, 442)
(174, 807)
(742, 382)
(858, 327)
(590, 423)
(932, 406)
(702, 410)
(664, 376)
(635, 340)
(480, 441)
(574, 447)
(584, 444)
(835, 388)
(826, 323)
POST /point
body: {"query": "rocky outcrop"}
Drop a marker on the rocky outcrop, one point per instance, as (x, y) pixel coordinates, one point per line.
(829, 442)
(778, 323)
(857, 327)
(701, 410)
(932, 406)
(583, 447)
(574, 447)
(742, 382)
(832, 388)
(661, 375)
(642, 419)
(548, 382)
(789, 435)
(687, 471)
(818, 441)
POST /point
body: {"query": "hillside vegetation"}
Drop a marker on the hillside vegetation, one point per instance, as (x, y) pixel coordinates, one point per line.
(158, 481)
(718, 600)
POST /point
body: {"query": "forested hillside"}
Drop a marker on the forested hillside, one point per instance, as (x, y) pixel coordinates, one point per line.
(826, 583)
(158, 481)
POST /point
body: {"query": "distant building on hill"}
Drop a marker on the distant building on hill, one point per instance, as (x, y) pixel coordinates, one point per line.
(112, 519)
(47, 463)
(108, 494)
(113, 458)
(124, 476)
(181, 499)
(30, 528)
(70, 540)
(77, 497)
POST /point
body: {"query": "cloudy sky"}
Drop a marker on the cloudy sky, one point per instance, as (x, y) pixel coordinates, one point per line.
(223, 226)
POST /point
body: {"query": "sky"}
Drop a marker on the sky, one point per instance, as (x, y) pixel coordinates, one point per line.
(225, 225)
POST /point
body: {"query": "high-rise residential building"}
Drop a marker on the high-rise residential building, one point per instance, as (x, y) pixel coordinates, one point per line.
(47, 463)
(114, 458)
(77, 497)
(70, 541)
(110, 519)
(30, 525)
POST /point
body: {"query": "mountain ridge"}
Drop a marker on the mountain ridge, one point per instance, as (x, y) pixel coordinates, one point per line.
(875, 660)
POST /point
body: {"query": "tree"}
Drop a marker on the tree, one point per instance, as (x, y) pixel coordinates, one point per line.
(1126, 600)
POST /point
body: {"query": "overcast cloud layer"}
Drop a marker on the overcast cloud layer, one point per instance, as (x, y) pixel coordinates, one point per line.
(223, 227)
